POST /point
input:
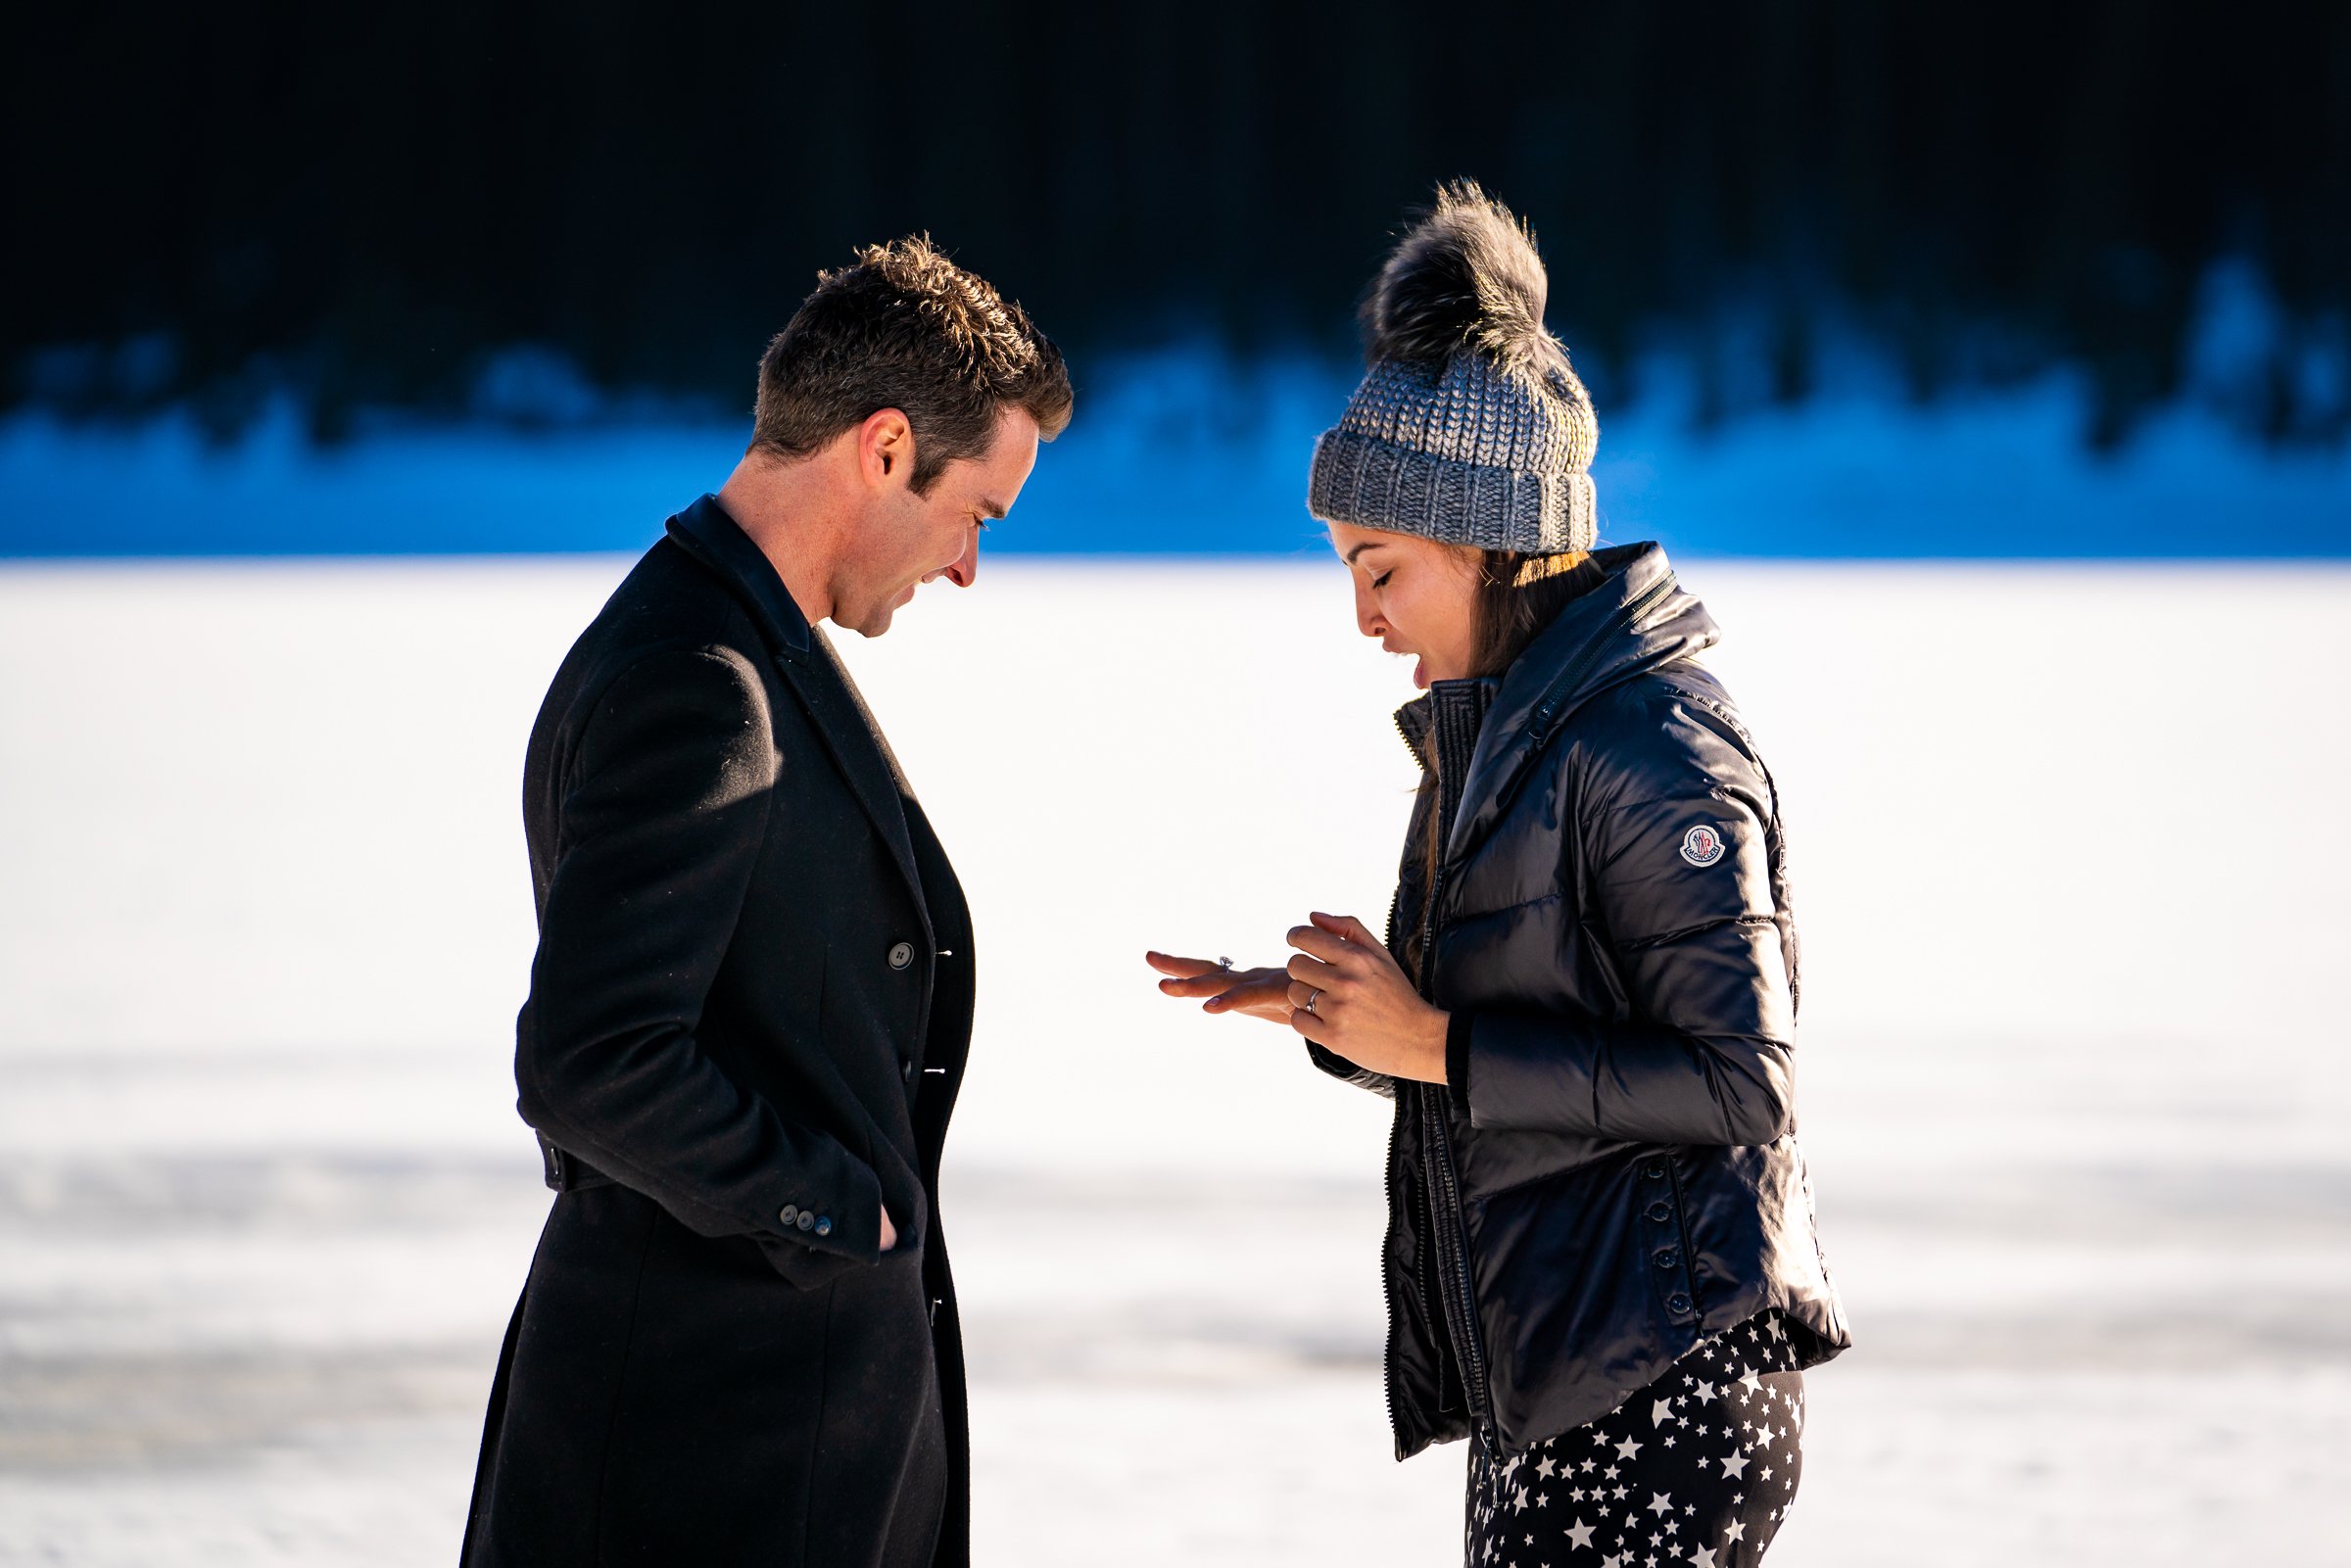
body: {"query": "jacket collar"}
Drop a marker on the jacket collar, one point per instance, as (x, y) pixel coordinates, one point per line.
(706, 533)
(1636, 620)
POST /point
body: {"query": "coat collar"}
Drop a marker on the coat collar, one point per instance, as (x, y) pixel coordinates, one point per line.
(706, 533)
(814, 673)
(1636, 620)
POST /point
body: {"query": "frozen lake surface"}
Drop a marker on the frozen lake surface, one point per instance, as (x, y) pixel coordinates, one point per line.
(2071, 877)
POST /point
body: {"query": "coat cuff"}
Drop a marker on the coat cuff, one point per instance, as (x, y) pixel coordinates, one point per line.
(1456, 1060)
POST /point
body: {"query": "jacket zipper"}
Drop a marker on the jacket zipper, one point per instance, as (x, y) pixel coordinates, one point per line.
(1453, 1237)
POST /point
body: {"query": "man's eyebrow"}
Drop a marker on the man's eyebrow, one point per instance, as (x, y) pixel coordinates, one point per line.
(990, 507)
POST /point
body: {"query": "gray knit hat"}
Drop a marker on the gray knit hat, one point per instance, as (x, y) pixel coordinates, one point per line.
(1469, 427)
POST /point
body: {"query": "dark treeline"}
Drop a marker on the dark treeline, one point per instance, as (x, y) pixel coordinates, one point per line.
(214, 204)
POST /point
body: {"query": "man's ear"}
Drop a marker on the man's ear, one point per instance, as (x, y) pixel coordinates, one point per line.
(885, 448)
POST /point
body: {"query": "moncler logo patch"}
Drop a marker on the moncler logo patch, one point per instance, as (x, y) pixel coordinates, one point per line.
(1702, 845)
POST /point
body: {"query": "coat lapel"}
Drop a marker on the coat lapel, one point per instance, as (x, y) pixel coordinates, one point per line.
(812, 670)
(859, 748)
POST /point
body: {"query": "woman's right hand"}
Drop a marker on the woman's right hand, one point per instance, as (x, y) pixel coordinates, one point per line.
(1259, 993)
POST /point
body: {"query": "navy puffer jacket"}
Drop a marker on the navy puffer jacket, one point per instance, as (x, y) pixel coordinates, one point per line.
(1612, 1174)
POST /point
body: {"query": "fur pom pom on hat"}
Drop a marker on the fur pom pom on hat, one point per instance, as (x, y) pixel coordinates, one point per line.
(1470, 425)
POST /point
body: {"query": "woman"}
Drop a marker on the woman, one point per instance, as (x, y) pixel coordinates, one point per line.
(1600, 1262)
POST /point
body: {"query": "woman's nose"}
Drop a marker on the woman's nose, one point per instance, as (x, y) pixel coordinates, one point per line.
(1367, 613)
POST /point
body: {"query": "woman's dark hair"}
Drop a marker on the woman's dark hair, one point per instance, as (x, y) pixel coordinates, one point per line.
(1520, 594)
(1516, 596)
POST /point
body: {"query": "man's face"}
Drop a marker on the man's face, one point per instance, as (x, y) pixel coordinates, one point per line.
(906, 539)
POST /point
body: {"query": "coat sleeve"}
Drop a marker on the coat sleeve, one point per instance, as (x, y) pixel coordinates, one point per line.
(1346, 1072)
(1681, 884)
(671, 788)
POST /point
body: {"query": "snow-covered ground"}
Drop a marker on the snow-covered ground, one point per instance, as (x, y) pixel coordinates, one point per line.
(2072, 878)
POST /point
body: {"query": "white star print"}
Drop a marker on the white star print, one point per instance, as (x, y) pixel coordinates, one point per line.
(1628, 1450)
(1660, 1502)
(1747, 1380)
(1735, 1467)
(1702, 1557)
(1661, 1411)
(1706, 1391)
(1579, 1534)
(1736, 1531)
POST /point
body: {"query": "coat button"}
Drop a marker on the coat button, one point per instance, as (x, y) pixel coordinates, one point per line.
(806, 1222)
(1654, 1171)
(1660, 1210)
(1667, 1257)
(824, 1224)
(901, 955)
(907, 1072)
(787, 1214)
(1677, 1304)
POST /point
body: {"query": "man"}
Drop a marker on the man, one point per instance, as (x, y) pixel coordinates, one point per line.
(752, 995)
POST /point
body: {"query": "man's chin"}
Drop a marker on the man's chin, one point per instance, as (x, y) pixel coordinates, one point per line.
(875, 620)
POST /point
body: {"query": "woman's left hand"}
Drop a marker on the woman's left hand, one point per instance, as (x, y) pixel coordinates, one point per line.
(1362, 1006)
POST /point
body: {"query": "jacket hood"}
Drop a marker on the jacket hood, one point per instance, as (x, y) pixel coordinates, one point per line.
(1637, 620)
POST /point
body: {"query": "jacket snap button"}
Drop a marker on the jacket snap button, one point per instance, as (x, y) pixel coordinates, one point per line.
(824, 1224)
(806, 1222)
(1654, 1171)
(907, 1072)
(1667, 1257)
(1677, 1304)
(901, 955)
(787, 1214)
(1660, 1210)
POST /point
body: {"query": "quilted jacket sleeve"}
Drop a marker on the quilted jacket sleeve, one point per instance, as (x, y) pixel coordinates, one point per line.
(1674, 836)
(669, 794)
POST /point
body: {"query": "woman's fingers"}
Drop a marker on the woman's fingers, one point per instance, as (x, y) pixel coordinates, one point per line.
(1190, 976)
(1208, 985)
(1328, 946)
(1347, 928)
(1182, 968)
(1259, 989)
(1312, 972)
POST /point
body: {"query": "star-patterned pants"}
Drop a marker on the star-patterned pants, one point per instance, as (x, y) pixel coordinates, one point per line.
(1698, 1469)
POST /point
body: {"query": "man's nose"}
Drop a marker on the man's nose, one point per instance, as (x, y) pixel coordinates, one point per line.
(966, 570)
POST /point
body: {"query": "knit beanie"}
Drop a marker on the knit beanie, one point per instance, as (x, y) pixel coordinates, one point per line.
(1469, 427)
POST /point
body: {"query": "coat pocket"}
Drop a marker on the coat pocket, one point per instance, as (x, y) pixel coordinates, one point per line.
(1566, 1314)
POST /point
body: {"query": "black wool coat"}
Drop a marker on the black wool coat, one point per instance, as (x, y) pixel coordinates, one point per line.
(1610, 1173)
(747, 1027)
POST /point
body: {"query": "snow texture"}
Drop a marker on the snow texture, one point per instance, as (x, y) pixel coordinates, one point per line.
(2069, 874)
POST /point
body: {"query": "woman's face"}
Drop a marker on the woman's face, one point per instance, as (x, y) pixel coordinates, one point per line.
(1418, 596)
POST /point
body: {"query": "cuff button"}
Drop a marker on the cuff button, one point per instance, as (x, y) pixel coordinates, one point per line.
(806, 1222)
(787, 1214)
(824, 1224)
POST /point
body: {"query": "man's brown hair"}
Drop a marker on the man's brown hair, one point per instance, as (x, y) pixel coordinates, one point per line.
(904, 327)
